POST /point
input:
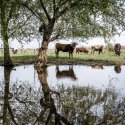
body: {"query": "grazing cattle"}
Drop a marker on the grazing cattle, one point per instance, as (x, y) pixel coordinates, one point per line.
(81, 49)
(117, 48)
(98, 48)
(65, 48)
(117, 68)
(66, 73)
(14, 51)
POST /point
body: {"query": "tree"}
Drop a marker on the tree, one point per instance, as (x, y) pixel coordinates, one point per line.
(81, 18)
(4, 33)
(14, 20)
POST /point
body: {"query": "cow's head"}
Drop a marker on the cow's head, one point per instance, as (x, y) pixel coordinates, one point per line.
(74, 44)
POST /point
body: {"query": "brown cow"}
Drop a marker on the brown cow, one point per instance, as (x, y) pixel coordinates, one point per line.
(66, 73)
(65, 48)
(98, 48)
(81, 49)
(117, 48)
(111, 49)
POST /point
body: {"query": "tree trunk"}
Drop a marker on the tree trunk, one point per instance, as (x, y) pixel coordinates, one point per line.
(4, 33)
(42, 56)
(47, 30)
(7, 59)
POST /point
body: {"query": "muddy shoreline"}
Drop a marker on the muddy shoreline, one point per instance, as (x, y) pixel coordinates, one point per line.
(89, 62)
(26, 60)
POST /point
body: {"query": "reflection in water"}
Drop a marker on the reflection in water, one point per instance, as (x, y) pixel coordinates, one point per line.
(66, 73)
(79, 105)
(47, 102)
(7, 95)
(117, 68)
(60, 105)
(97, 66)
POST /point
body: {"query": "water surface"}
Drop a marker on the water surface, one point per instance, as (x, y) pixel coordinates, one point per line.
(72, 95)
(76, 75)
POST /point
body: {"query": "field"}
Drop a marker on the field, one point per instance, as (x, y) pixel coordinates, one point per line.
(29, 56)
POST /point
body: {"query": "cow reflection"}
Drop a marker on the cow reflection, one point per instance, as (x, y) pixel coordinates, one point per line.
(47, 102)
(66, 73)
(117, 68)
(97, 66)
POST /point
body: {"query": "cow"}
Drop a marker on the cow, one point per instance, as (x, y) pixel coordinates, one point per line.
(65, 48)
(111, 49)
(98, 48)
(117, 48)
(65, 73)
(14, 51)
(81, 49)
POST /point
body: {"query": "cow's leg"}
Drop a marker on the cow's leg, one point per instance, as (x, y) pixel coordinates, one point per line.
(72, 55)
(70, 67)
(69, 55)
(99, 52)
(76, 51)
(119, 53)
(57, 54)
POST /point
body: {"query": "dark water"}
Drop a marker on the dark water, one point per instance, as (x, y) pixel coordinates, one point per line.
(78, 95)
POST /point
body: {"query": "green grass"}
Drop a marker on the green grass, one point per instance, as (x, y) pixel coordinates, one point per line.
(106, 57)
(30, 56)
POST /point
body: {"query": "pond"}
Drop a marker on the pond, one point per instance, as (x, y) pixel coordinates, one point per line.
(73, 94)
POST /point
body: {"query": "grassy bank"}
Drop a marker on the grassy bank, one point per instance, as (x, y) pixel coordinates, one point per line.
(107, 58)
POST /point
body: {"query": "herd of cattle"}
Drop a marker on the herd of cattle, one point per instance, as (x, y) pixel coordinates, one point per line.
(71, 47)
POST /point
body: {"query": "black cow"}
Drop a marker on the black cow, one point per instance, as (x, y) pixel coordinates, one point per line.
(65, 48)
(117, 48)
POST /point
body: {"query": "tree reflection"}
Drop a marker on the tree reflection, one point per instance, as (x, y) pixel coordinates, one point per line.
(47, 101)
(23, 104)
(7, 95)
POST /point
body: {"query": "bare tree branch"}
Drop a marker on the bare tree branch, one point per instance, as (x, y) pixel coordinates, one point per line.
(54, 8)
(55, 37)
(67, 8)
(44, 9)
(34, 13)
(18, 27)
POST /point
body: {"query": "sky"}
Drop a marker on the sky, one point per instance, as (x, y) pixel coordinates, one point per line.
(87, 43)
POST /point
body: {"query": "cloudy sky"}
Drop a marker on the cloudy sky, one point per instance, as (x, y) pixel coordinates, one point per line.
(35, 44)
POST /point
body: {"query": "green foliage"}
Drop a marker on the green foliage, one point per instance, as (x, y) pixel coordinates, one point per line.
(79, 18)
